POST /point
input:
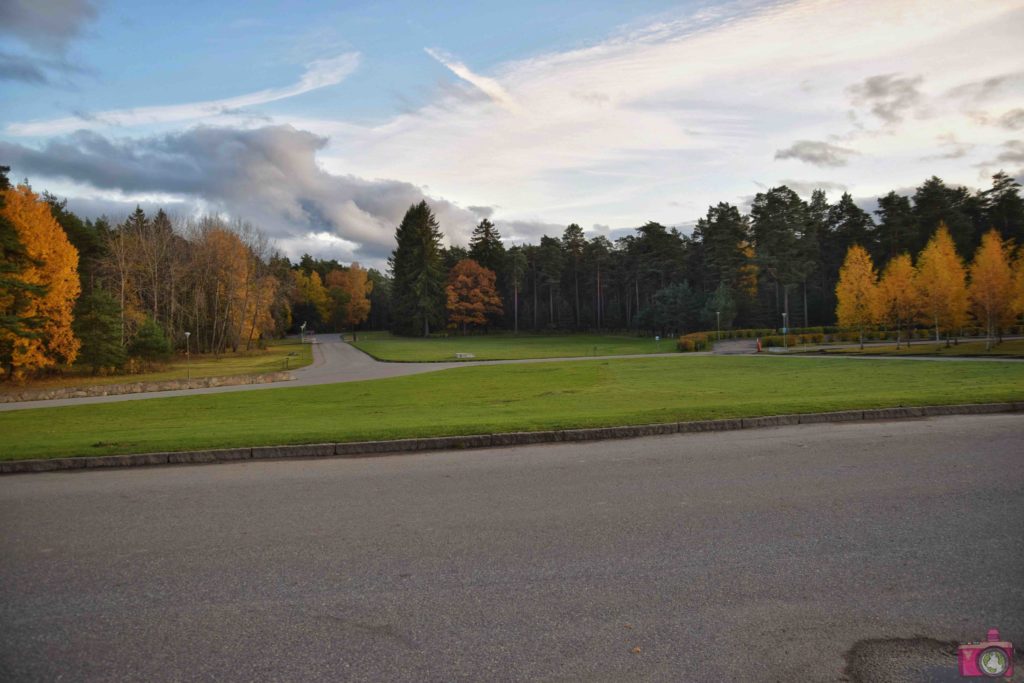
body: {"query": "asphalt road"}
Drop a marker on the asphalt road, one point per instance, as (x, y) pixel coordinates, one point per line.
(752, 555)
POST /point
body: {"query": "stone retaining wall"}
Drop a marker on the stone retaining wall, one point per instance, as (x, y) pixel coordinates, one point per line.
(141, 387)
(370, 448)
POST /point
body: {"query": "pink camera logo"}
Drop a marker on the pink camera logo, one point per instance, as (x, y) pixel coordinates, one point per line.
(992, 657)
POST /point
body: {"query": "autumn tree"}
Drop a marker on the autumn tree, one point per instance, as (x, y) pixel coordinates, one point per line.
(16, 294)
(898, 303)
(941, 284)
(352, 286)
(991, 290)
(857, 291)
(49, 269)
(312, 303)
(471, 295)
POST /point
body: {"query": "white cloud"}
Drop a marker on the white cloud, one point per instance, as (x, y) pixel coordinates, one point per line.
(684, 110)
(488, 86)
(319, 74)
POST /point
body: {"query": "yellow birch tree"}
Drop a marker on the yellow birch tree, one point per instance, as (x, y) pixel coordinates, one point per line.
(941, 284)
(898, 303)
(857, 291)
(991, 289)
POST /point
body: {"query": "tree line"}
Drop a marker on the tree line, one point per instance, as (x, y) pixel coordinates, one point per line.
(102, 293)
(736, 269)
(109, 295)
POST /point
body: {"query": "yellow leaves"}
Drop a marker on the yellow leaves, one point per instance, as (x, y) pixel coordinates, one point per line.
(311, 290)
(898, 302)
(356, 284)
(55, 268)
(992, 287)
(941, 283)
(856, 291)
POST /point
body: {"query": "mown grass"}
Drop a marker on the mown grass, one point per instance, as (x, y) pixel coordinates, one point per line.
(1010, 348)
(486, 399)
(277, 356)
(384, 346)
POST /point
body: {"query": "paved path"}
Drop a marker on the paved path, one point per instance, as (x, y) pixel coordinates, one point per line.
(761, 555)
(335, 361)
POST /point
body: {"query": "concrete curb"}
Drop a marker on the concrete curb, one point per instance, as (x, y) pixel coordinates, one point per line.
(358, 449)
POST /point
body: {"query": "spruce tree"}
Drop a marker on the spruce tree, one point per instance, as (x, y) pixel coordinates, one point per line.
(417, 268)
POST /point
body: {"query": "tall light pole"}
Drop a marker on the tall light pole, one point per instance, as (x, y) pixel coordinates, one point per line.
(188, 359)
(785, 331)
(718, 325)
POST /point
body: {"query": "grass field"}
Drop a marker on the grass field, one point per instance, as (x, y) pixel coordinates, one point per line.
(384, 346)
(1011, 348)
(277, 356)
(486, 399)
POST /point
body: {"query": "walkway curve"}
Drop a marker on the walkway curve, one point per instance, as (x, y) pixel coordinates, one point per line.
(335, 362)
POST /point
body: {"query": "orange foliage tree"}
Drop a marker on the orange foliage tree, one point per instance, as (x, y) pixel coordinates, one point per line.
(352, 287)
(471, 295)
(991, 289)
(857, 291)
(898, 303)
(50, 271)
(941, 284)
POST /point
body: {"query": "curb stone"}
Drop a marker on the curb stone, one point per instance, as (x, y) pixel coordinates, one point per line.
(357, 449)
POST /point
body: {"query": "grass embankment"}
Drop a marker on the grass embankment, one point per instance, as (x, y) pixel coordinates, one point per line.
(485, 399)
(384, 346)
(277, 356)
(1011, 348)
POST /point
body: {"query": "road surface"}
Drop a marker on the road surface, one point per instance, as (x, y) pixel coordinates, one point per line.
(753, 555)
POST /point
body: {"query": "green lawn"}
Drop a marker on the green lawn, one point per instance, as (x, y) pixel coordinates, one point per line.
(280, 354)
(1011, 348)
(484, 399)
(384, 346)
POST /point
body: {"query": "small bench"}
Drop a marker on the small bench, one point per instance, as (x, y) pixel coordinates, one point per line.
(464, 355)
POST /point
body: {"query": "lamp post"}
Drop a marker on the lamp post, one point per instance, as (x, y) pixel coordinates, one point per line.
(188, 359)
(718, 325)
(785, 331)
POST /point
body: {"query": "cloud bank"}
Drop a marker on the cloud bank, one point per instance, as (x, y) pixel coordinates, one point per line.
(266, 175)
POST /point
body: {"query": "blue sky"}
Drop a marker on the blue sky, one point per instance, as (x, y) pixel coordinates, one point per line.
(320, 122)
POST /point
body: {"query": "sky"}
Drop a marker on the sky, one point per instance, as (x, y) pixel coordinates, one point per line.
(322, 122)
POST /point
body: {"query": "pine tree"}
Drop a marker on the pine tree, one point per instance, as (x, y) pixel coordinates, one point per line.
(941, 284)
(98, 326)
(991, 288)
(857, 291)
(486, 248)
(418, 277)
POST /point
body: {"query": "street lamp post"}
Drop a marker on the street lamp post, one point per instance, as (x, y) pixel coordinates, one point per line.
(188, 359)
(718, 325)
(785, 331)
